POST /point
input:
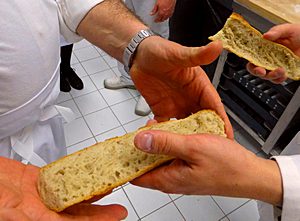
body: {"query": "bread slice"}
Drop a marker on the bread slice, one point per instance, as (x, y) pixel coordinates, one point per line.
(239, 37)
(104, 166)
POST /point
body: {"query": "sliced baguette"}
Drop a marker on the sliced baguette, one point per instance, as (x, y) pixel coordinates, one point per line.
(104, 166)
(239, 37)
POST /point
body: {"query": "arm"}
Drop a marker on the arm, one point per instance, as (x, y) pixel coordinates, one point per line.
(181, 86)
(287, 35)
(110, 26)
(213, 165)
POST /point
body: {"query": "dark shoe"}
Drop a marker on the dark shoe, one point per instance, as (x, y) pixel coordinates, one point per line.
(64, 84)
(74, 80)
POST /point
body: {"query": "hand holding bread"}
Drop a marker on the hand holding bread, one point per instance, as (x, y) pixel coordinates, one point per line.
(172, 81)
(287, 35)
(20, 199)
(276, 51)
(207, 164)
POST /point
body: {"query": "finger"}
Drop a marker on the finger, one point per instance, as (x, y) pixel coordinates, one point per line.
(154, 10)
(276, 74)
(159, 16)
(256, 71)
(228, 127)
(212, 100)
(278, 32)
(151, 122)
(158, 19)
(117, 211)
(169, 179)
(279, 80)
(195, 56)
(161, 142)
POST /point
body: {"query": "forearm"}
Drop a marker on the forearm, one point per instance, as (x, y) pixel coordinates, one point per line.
(269, 183)
(110, 26)
(262, 181)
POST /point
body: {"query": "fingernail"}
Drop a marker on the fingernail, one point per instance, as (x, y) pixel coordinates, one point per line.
(145, 142)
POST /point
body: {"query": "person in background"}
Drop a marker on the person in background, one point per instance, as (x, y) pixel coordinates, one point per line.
(213, 165)
(155, 14)
(68, 77)
(31, 128)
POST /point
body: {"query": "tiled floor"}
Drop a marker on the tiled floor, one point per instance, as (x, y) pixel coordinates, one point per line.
(102, 113)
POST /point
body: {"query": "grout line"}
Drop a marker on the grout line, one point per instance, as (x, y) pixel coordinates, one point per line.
(131, 203)
(238, 208)
(219, 207)
(109, 109)
(97, 71)
(90, 46)
(87, 45)
(107, 61)
(157, 209)
(76, 58)
(72, 66)
(222, 219)
(70, 146)
(178, 209)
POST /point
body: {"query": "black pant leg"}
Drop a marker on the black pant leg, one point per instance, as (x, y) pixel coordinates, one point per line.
(65, 54)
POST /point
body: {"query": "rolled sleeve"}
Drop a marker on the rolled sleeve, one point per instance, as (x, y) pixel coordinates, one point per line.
(290, 172)
(71, 12)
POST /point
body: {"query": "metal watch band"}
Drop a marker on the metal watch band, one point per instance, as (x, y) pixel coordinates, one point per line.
(132, 46)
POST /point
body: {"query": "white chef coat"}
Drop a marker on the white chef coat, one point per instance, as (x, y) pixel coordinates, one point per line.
(143, 8)
(289, 164)
(30, 123)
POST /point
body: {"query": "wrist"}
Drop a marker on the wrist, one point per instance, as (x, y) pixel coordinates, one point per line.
(271, 188)
(131, 49)
(263, 181)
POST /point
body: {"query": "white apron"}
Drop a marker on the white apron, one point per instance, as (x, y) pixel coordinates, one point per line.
(33, 133)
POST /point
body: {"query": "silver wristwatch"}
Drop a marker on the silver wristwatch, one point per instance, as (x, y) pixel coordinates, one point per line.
(132, 46)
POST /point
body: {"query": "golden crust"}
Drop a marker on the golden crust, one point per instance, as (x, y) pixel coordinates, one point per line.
(235, 16)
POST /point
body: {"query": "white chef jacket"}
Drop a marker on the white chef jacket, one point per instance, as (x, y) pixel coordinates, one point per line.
(29, 67)
(289, 164)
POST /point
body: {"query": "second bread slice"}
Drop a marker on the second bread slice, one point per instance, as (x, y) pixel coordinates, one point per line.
(239, 37)
(104, 166)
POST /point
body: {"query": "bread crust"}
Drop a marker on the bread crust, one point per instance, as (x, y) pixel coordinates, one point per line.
(237, 17)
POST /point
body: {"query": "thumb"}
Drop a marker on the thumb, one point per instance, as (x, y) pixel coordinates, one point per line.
(279, 32)
(195, 56)
(161, 142)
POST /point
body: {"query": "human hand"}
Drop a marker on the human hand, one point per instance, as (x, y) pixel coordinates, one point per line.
(163, 9)
(209, 165)
(287, 35)
(20, 200)
(168, 75)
